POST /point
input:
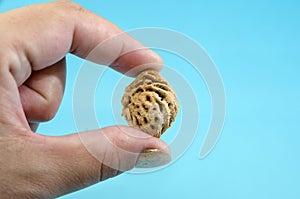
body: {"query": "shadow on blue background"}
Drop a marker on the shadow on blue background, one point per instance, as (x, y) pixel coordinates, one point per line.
(255, 45)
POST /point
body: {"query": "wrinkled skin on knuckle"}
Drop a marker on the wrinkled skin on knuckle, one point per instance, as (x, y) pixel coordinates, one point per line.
(69, 6)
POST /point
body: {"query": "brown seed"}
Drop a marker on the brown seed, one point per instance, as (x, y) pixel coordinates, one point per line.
(152, 102)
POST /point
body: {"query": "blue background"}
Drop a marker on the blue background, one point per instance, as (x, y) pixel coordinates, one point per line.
(255, 45)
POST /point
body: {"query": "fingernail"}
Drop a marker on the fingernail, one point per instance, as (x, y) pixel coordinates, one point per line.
(152, 158)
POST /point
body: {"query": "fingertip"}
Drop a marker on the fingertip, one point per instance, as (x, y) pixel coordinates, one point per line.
(134, 62)
(153, 158)
(154, 152)
(140, 139)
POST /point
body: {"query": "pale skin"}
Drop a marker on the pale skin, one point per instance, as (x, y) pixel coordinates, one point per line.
(34, 41)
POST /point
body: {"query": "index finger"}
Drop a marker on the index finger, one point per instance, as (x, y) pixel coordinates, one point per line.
(43, 34)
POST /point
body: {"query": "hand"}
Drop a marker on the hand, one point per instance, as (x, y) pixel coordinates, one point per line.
(34, 41)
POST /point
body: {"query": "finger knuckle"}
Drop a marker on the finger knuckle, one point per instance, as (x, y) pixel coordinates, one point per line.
(72, 6)
(45, 113)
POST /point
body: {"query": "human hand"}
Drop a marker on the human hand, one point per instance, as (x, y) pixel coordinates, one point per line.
(34, 41)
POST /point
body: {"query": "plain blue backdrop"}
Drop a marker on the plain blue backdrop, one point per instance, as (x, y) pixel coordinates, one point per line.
(255, 46)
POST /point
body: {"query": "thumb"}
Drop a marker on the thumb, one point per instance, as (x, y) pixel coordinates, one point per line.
(79, 160)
